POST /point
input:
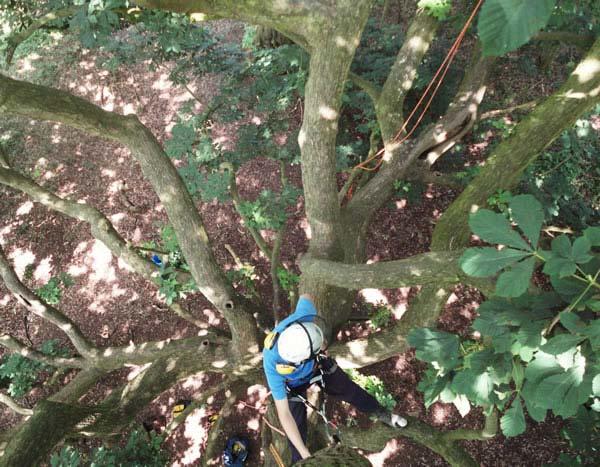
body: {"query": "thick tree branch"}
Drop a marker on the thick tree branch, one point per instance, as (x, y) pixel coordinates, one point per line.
(297, 19)
(12, 405)
(389, 106)
(461, 115)
(423, 312)
(47, 312)
(421, 172)
(426, 268)
(43, 103)
(582, 41)
(60, 362)
(379, 434)
(505, 166)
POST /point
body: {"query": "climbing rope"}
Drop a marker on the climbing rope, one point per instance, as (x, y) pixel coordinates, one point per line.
(441, 72)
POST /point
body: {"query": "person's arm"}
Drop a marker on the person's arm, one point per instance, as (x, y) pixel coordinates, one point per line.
(289, 426)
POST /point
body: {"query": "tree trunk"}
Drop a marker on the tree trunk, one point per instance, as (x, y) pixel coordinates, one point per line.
(268, 38)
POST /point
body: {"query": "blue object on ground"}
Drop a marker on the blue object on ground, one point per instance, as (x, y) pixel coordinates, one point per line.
(156, 260)
(236, 452)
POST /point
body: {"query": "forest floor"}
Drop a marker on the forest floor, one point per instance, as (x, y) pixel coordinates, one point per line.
(113, 306)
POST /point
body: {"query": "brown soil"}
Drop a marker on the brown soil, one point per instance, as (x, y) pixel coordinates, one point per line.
(113, 306)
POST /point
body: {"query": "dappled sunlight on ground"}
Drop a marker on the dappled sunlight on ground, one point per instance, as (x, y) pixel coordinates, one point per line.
(195, 433)
(21, 259)
(378, 459)
(440, 413)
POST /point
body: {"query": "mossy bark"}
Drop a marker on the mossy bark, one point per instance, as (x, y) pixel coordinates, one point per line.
(335, 456)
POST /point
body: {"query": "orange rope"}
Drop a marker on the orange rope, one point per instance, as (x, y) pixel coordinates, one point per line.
(443, 69)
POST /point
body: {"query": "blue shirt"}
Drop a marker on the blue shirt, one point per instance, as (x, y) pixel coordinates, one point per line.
(305, 312)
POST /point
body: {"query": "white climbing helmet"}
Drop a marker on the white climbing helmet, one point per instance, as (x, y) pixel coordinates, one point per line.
(294, 343)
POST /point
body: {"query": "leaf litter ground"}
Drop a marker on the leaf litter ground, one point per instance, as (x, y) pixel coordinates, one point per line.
(113, 306)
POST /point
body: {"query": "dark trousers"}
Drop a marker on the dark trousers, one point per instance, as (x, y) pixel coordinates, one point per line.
(339, 386)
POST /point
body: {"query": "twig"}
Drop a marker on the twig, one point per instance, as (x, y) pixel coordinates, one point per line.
(4, 158)
(152, 250)
(275, 429)
(494, 113)
(258, 238)
(557, 165)
(372, 90)
(556, 319)
(12, 405)
(552, 228)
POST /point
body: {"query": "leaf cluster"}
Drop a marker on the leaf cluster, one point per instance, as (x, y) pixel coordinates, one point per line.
(21, 373)
(170, 266)
(268, 210)
(539, 350)
(51, 292)
(380, 316)
(141, 450)
(566, 178)
(374, 386)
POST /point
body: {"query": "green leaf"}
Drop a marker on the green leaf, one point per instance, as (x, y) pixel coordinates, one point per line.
(568, 288)
(530, 334)
(581, 249)
(432, 385)
(593, 304)
(505, 25)
(462, 405)
(561, 246)
(561, 343)
(592, 332)
(495, 228)
(518, 374)
(484, 262)
(593, 235)
(182, 139)
(564, 392)
(572, 322)
(477, 387)
(528, 213)
(513, 420)
(435, 346)
(561, 267)
(515, 281)
(439, 9)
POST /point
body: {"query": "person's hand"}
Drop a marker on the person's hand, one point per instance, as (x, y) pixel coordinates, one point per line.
(305, 453)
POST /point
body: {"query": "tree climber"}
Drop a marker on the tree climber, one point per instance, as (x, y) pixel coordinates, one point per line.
(293, 360)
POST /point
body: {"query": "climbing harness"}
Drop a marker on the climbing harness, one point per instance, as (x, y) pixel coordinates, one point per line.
(334, 438)
(324, 366)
